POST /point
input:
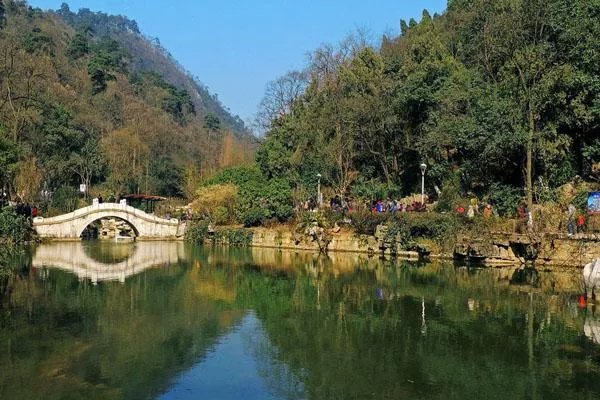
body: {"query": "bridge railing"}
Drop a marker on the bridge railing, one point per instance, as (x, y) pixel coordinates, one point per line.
(96, 207)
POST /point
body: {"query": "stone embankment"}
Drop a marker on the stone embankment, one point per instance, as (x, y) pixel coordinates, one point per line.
(543, 249)
(494, 249)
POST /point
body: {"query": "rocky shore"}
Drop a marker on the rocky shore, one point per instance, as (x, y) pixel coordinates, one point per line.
(551, 249)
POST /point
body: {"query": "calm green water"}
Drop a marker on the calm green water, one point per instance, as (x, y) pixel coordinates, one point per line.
(161, 320)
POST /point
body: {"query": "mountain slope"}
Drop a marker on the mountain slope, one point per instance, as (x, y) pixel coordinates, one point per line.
(73, 110)
(148, 55)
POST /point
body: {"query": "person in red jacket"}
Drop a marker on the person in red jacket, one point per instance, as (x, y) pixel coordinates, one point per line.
(580, 224)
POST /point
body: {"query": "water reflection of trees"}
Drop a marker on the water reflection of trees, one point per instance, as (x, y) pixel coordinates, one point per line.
(360, 340)
(71, 339)
(335, 328)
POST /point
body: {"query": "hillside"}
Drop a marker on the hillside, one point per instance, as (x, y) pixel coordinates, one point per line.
(499, 98)
(148, 55)
(76, 109)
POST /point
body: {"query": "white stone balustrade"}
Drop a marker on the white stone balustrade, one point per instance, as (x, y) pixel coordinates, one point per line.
(71, 225)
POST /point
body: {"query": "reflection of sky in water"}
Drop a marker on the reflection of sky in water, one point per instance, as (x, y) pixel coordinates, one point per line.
(239, 367)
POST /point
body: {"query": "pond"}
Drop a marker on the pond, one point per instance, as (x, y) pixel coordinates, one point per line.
(94, 320)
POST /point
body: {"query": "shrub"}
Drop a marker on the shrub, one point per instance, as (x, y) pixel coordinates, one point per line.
(13, 227)
(254, 216)
(373, 189)
(505, 198)
(399, 231)
(217, 202)
(451, 194)
(274, 197)
(258, 199)
(332, 217)
(580, 199)
(236, 175)
(365, 223)
(196, 231)
(234, 237)
(65, 199)
(438, 227)
(309, 218)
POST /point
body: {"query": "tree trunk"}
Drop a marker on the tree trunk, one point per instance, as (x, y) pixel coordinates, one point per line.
(529, 162)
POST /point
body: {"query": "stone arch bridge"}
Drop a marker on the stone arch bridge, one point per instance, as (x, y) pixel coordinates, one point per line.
(71, 225)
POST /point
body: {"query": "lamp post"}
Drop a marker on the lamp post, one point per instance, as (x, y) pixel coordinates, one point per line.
(83, 189)
(319, 196)
(423, 168)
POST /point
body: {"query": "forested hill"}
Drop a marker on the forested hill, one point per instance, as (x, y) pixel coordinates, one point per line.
(75, 109)
(500, 98)
(148, 55)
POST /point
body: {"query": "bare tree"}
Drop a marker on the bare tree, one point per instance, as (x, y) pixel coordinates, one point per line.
(279, 97)
(327, 60)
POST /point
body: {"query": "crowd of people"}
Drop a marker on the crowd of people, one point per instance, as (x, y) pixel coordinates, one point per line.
(26, 210)
(477, 208)
(340, 204)
(394, 206)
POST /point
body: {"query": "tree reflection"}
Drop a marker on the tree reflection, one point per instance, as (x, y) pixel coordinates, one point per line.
(330, 328)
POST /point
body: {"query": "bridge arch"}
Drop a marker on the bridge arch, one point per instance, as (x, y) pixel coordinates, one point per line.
(71, 225)
(93, 218)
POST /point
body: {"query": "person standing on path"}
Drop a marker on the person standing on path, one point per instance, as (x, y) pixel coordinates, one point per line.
(571, 223)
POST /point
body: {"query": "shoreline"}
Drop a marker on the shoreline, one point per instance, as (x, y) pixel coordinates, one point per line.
(495, 249)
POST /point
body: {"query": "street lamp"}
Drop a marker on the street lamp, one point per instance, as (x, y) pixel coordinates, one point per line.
(319, 196)
(423, 168)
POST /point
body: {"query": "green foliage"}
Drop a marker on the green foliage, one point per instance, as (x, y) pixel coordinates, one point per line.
(196, 231)
(212, 122)
(451, 195)
(254, 216)
(107, 58)
(14, 228)
(580, 200)
(176, 102)
(497, 94)
(57, 106)
(399, 231)
(78, 47)
(221, 215)
(372, 189)
(10, 153)
(167, 175)
(365, 223)
(2, 15)
(237, 175)
(435, 226)
(259, 198)
(234, 237)
(65, 199)
(274, 196)
(505, 199)
(307, 219)
(60, 142)
(39, 43)
(406, 227)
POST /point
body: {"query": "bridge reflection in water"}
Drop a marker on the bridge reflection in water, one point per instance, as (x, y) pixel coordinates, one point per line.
(102, 261)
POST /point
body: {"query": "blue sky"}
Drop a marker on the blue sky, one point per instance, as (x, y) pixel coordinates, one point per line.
(235, 47)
